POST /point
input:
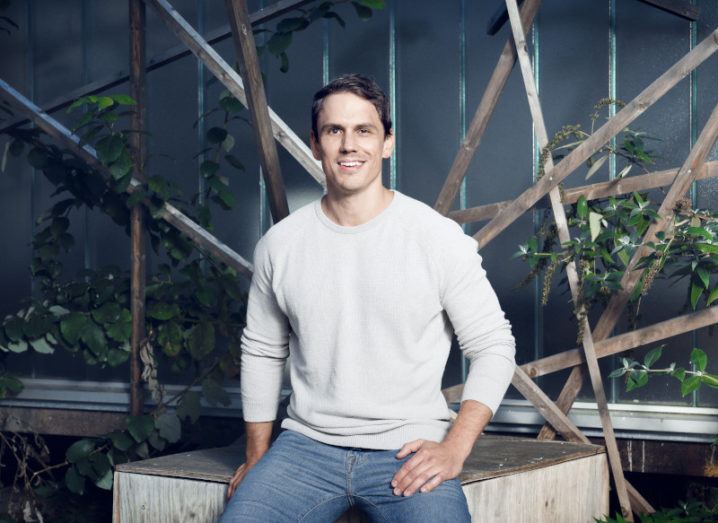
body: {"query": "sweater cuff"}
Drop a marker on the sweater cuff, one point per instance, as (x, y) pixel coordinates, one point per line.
(488, 388)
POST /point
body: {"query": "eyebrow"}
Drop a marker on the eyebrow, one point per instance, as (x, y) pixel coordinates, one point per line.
(330, 125)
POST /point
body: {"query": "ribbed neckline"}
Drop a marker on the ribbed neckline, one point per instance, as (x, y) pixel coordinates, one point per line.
(390, 209)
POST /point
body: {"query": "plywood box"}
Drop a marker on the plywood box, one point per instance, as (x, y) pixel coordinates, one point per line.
(505, 479)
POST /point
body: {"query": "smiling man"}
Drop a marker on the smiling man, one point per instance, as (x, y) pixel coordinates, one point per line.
(364, 289)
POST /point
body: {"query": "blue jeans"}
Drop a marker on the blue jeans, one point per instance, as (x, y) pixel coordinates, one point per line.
(300, 479)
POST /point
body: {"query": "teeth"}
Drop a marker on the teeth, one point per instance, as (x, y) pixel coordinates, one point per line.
(350, 164)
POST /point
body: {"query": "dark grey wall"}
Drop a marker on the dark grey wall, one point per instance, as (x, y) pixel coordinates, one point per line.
(435, 60)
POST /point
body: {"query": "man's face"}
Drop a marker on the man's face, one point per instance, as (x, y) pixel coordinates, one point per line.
(350, 143)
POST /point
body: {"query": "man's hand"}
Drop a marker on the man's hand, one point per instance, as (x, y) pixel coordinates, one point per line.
(431, 464)
(259, 435)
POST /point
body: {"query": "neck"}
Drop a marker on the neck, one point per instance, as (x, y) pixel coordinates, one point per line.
(355, 209)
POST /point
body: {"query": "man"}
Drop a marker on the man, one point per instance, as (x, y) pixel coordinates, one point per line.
(362, 288)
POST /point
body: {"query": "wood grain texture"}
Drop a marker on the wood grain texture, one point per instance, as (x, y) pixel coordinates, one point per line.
(191, 486)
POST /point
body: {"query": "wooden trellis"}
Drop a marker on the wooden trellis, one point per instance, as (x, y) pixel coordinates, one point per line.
(596, 343)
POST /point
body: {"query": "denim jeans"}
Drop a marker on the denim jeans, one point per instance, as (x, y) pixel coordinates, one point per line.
(300, 479)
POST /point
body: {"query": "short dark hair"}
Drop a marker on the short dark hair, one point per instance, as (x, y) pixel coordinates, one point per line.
(359, 85)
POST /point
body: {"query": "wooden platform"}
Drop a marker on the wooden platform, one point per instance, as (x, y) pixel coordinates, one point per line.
(505, 479)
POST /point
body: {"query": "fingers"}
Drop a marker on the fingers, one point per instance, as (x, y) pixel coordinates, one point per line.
(416, 478)
(408, 448)
(432, 483)
(236, 480)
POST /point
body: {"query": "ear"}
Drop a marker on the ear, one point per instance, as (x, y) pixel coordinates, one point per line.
(388, 147)
(314, 144)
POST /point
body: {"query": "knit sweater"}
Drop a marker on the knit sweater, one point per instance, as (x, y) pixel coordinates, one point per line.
(366, 313)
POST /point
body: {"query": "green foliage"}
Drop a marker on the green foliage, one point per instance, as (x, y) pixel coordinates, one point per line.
(685, 512)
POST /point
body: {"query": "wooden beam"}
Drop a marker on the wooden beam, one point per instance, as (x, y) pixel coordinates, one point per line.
(571, 272)
(609, 317)
(257, 104)
(138, 248)
(199, 236)
(595, 191)
(486, 107)
(61, 422)
(592, 144)
(682, 8)
(165, 58)
(232, 81)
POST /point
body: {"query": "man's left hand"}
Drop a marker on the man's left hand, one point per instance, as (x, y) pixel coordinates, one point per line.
(431, 464)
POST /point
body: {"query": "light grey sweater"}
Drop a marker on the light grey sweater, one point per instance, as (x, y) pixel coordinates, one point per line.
(366, 313)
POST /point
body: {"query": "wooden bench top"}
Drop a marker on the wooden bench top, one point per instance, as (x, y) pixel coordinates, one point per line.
(492, 457)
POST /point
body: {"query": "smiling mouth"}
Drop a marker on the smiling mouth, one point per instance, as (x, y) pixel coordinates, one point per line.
(351, 164)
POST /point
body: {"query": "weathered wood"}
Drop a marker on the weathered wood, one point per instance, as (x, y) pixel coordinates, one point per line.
(614, 125)
(617, 187)
(631, 277)
(61, 422)
(199, 236)
(257, 105)
(623, 342)
(471, 142)
(162, 59)
(498, 19)
(572, 275)
(682, 8)
(232, 81)
(517, 463)
(138, 243)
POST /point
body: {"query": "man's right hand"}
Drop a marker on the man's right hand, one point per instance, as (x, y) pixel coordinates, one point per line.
(259, 436)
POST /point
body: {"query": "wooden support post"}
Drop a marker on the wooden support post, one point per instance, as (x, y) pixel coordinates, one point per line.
(232, 81)
(496, 84)
(616, 187)
(592, 144)
(162, 59)
(564, 236)
(257, 104)
(138, 256)
(631, 276)
(199, 236)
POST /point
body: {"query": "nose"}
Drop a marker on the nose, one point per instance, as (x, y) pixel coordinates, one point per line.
(347, 144)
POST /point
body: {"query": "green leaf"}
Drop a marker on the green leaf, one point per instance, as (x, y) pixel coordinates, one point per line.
(72, 325)
(189, 406)
(679, 374)
(110, 148)
(157, 442)
(703, 275)
(17, 346)
(214, 393)
(234, 162)
(108, 313)
(292, 24)
(117, 356)
(594, 223)
(169, 426)
(699, 359)
(284, 66)
(689, 385)
(105, 481)
(230, 104)
(123, 99)
(58, 311)
(104, 102)
(652, 356)
(74, 482)
(216, 135)
(707, 248)
(228, 143)
(14, 328)
(373, 4)
(42, 346)
(617, 373)
(713, 296)
(142, 450)
(10, 386)
(120, 440)
(279, 43)
(596, 166)
(363, 12)
(201, 340)
(208, 168)
(80, 450)
(162, 311)
(696, 292)
(140, 427)
(120, 331)
(122, 166)
(94, 338)
(37, 157)
(710, 380)
(582, 208)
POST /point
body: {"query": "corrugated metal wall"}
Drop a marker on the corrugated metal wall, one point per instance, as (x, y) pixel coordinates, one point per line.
(434, 59)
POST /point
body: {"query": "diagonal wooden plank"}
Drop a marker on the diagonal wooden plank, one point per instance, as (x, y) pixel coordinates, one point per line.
(160, 60)
(199, 236)
(232, 81)
(609, 317)
(683, 8)
(593, 191)
(257, 104)
(564, 236)
(471, 142)
(614, 125)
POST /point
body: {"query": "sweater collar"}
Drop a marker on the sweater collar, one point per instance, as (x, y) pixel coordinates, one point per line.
(382, 216)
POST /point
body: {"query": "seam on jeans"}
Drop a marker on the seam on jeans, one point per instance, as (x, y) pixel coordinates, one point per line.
(377, 507)
(306, 514)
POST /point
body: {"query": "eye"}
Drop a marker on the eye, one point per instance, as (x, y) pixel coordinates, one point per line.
(364, 130)
(334, 130)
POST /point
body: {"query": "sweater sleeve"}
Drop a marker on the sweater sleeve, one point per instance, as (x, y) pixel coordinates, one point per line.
(483, 332)
(265, 344)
